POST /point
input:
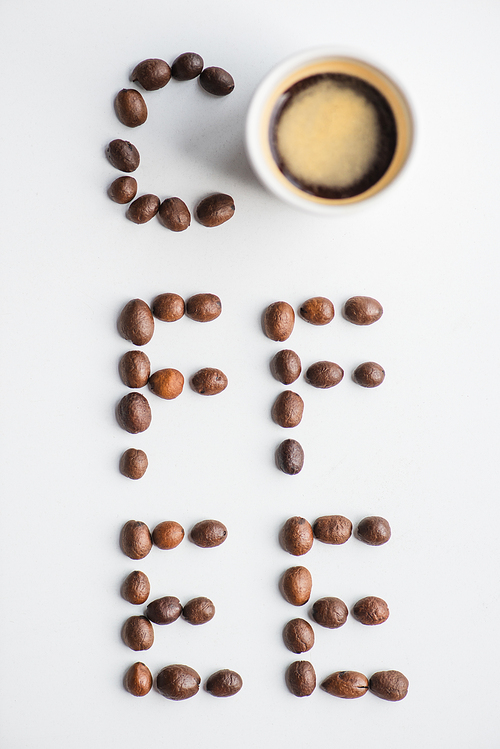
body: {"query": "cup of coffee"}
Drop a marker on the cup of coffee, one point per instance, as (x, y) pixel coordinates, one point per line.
(326, 130)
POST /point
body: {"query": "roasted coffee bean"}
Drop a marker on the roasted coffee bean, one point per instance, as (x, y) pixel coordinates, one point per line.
(301, 678)
(278, 322)
(324, 374)
(168, 307)
(346, 684)
(215, 209)
(138, 680)
(208, 533)
(203, 307)
(371, 610)
(288, 409)
(330, 612)
(166, 383)
(318, 311)
(133, 463)
(133, 413)
(298, 636)
(151, 74)
(217, 81)
(209, 381)
(135, 539)
(123, 155)
(143, 209)
(224, 683)
(168, 535)
(290, 457)
(369, 374)
(135, 588)
(136, 323)
(286, 366)
(134, 369)
(389, 685)
(362, 310)
(373, 530)
(295, 585)
(199, 610)
(174, 214)
(164, 610)
(178, 682)
(187, 66)
(130, 107)
(332, 529)
(137, 633)
(123, 190)
(296, 536)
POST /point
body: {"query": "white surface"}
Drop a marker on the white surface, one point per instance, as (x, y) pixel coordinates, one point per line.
(420, 450)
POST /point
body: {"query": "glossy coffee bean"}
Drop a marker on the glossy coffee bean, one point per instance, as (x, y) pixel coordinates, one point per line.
(290, 457)
(288, 409)
(123, 189)
(389, 685)
(324, 374)
(346, 684)
(362, 310)
(134, 369)
(318, 311)
(151, 74)
(217, 81)
(198, 610)
(296, 536)
(136, 588)
(301, 678)
(224, 683)
(298, 635)
(137, 633)
(130, 107)
(369, 374)
(278, 321)
(286, 366)
(178, 682)
(187, 66)
(138, 680)
(373, 530)
(133, 463)
(296, 585)
(208, 533)
(164, 610)
(332, 529)
(371, 610)
(330, 612)
(123, 155)
(135, 539)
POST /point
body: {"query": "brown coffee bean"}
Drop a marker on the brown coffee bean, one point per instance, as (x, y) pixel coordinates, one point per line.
(301, 678)
(143, 209)
(123, 190)
(318, 311)
(199, 610)
(330, 612)
(174, 214)
(362, 310)
(296, 536)
(215, 209)
(136, 323)
(168, 535)
(138, 680)
(332, 529)
(133, 413)
(288, 409)
(203, 307)
(123, 155)
(134, 368)
(137, 633)
(373, 530)
(324, 374)
(389, 685)
(286, 366)
(135, 539)
(298, 636)
(151, 74)
(290, 457)
(278, 322)
(209, 381)
(369, 374)
(135, 588)
(178, 682)
(346, 684)
(208, 533)
(164, 610)
(224, 683)
(371, 610)
(217, 81)
(133, 463)
(130, 107)
(187, 66)
(168, 307)
(166, 383)
(295, 585)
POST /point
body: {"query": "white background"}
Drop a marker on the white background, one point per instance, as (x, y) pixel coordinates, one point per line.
(421, 450)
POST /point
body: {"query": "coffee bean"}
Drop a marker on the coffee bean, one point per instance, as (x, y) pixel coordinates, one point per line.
(168, 307)
(217, 81)
(203, 307)
(138, 680)
(209, 381)
(134, 369)
(389, 685)
(373, 530)
(296, 536)
(324, 374)
(295, 585)
(288, 409)
(123, 155)
(199, 610)
(286, 366)
(369, 374)
(133, 413)
(187, 66)
(164, 610)
(330, 612)
(332, 529)
(166, 383)
(224, 683)
(143, 209)
(346, 684)
(371, 610)
(168, 535)
(174, 214)
(151, 74)
(178, 682)
(137, 633)
(135, 539)
(298, 636)
(362, 310)
(135, 588)
(290, 457)
(301, 678)
(318, 311)
(208, 533)
(123, 189)
(133, 463)
(278, 322)
(215, 209)
(136, 323)
(130, 107)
